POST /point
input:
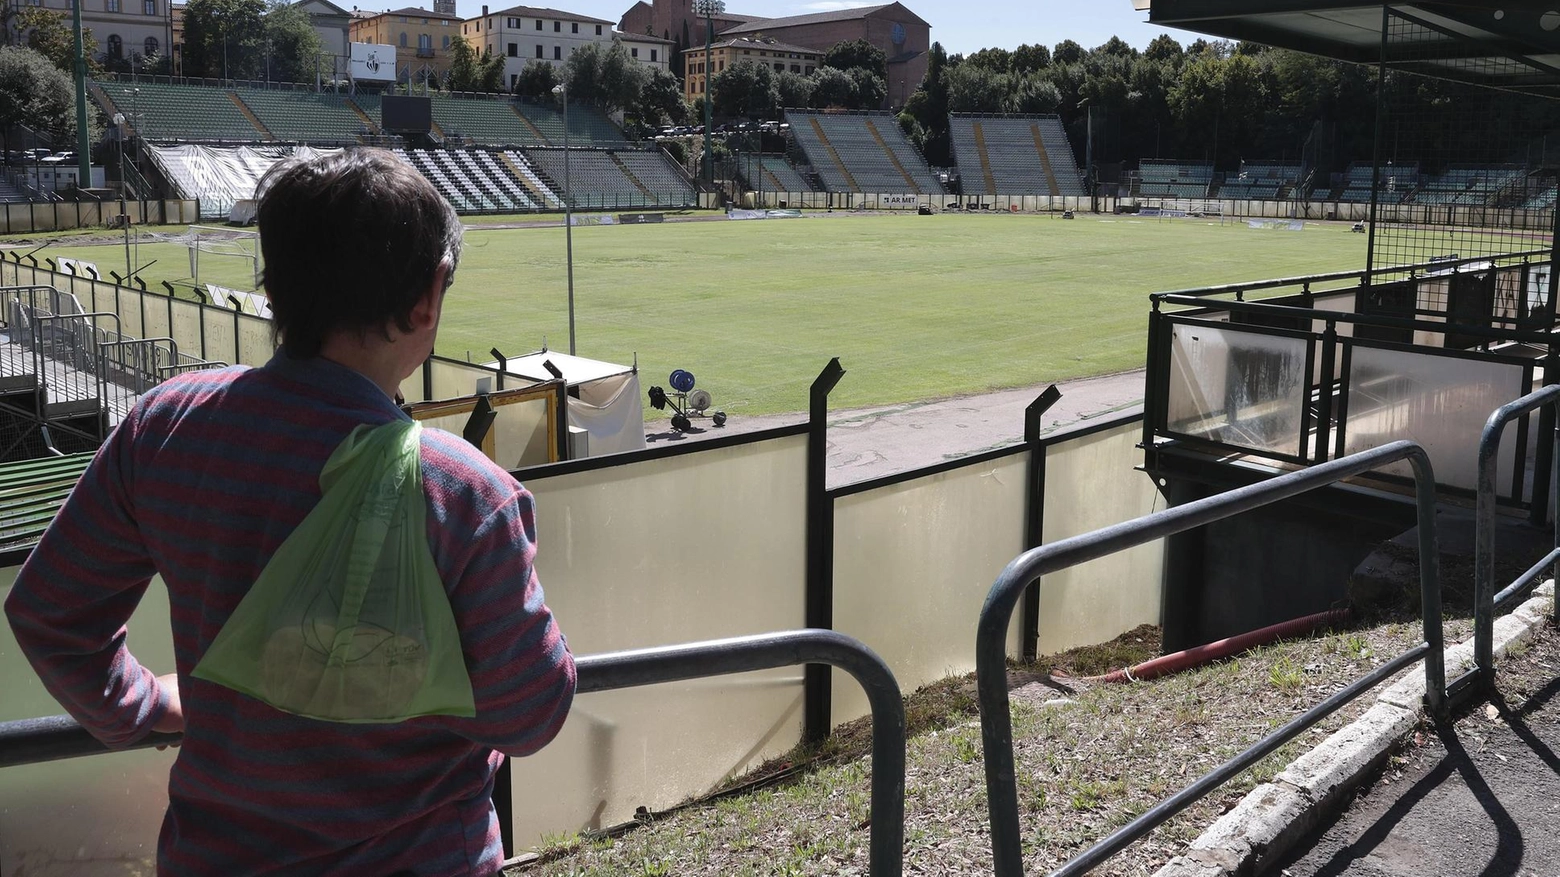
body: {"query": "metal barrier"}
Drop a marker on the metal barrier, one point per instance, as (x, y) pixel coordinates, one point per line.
(1485, 601)
(57, 737)
(996, 615)
(73, 352)
(136, 364)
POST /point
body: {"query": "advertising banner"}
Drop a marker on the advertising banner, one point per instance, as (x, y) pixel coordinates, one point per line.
(372, 63)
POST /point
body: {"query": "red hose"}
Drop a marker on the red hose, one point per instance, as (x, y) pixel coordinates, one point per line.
(1184, 660)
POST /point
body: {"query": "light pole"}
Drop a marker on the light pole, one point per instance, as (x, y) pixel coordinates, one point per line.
(708, 9)
(568, 210)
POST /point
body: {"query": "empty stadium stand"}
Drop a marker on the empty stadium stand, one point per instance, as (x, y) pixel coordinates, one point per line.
(485, 120)
(1014, 155)
(1474, 185)
(1168, 178)
(1398, 182)
(188, 112)
(472, 180)
(1260, 181)
(308, 117)
(861, 152)
(588, 126)
(607, 178)
(774, 173)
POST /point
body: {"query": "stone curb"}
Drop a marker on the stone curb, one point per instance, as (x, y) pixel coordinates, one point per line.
(1274, 815)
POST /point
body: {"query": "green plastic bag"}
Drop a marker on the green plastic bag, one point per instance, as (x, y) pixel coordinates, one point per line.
(349, 621)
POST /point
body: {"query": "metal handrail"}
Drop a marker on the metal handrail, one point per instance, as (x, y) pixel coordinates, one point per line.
(95, 356)
(1306, 280)
(1485, 600)
(991, 638)
(51, 738)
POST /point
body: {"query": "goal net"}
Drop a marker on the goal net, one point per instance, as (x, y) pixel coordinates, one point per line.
(226, 256)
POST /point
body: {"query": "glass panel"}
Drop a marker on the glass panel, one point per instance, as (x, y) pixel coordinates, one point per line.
(1441, 402)
(1239, 388)
(1090, 483)
(186, 329)
(696, 546)
(94, 816)
(455, 380)
(221, 343)
(254, 340)
(913, 563)
(520, 433)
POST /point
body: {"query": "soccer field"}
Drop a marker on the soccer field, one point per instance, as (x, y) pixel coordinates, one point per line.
(915, 307)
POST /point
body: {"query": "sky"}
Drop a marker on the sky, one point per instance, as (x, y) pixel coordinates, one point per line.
(960, 25)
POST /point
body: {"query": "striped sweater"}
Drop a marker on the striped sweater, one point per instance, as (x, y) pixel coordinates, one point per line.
(201, 483)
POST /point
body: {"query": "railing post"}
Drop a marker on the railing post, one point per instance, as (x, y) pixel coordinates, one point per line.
(1544, 462)
(1324, 397)
(817, 709)
(1034, 513)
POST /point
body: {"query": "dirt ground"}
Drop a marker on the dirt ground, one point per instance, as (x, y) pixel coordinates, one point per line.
(871, 442)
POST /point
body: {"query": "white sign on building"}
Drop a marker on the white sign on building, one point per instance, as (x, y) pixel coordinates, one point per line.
(373, 63)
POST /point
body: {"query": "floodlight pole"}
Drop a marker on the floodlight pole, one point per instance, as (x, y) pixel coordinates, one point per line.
(568, 210)
(708, 8)
(83, 138)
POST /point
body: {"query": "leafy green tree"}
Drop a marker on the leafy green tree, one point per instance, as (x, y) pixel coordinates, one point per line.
(660, 101)
(1116, 46)
(37, 94)
(832, 88)
(973, 88)
(224, 38)
(793, 89)
(608, 79)
(536, 79)
(292, 44)
(1030, 58)
(1067, 52)
(995, 60)
(50, 33)
(1164, 48)
(746, 89)
(1032, 95)
(857, 53)
(490, 73)
(929, 106)
(870, 89)
(465, 70)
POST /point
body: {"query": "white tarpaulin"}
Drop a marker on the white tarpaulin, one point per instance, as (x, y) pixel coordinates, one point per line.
(221, 176)
(604, 397)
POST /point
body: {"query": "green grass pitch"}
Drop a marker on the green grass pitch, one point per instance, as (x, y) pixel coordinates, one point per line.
(915, 307)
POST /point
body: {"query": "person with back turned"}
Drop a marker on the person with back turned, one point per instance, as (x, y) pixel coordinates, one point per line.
(208, 476)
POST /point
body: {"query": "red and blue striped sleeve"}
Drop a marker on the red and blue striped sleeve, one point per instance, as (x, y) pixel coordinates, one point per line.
(522, 674)
(73, 596)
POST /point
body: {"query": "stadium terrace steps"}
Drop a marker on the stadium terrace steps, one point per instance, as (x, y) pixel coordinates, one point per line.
(893, 159)
(522, 171)
(1045, 160)
(627, 172)
(834, 155)
(985, 158)
(249, 114)
(305, 116)
(185, 112)
(599, 178)
(1018, 155)
(529, 124)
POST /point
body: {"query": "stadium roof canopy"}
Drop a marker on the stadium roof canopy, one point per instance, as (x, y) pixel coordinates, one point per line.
(1469, 41)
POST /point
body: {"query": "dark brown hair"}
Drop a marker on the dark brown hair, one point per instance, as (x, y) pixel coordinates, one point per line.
(351, 241)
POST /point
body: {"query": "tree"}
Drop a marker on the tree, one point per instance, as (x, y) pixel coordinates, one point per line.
(1067, 52)
(660, 101)
(465, 73)
(37, 94)
(746, 88)
(50, 34)
(929, 106)
(857, 53)
(1116, 46)
(490, 73)
(976, 89)
(1030, 58)
(793, 89)
(1164, 48)
(832, 88)
(870, 89)
(536, 79)
(995, 60)
(224, 38)
(292, 43)
(608, 79)
(1032, 95)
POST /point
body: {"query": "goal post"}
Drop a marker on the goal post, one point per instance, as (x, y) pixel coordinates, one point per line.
(216, 246)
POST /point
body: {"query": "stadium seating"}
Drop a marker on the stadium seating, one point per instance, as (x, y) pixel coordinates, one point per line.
(861, 152)
(1024, 155)
(588, 126)
(780, 176)
(1260, 181)
(1398, 182)
(473, 180)
(185, 112)
(1468, 184)
(483, 120)
(604, 178)
(1168, 178)
(306, 116)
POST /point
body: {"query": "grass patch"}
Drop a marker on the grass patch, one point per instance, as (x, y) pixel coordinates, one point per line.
(916, 307)
(1089, 760)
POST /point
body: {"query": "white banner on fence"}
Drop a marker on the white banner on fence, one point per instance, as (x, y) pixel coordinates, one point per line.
(79, 268)
(372, 62)
(243, 302)
(221, 176)
(896, 200)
